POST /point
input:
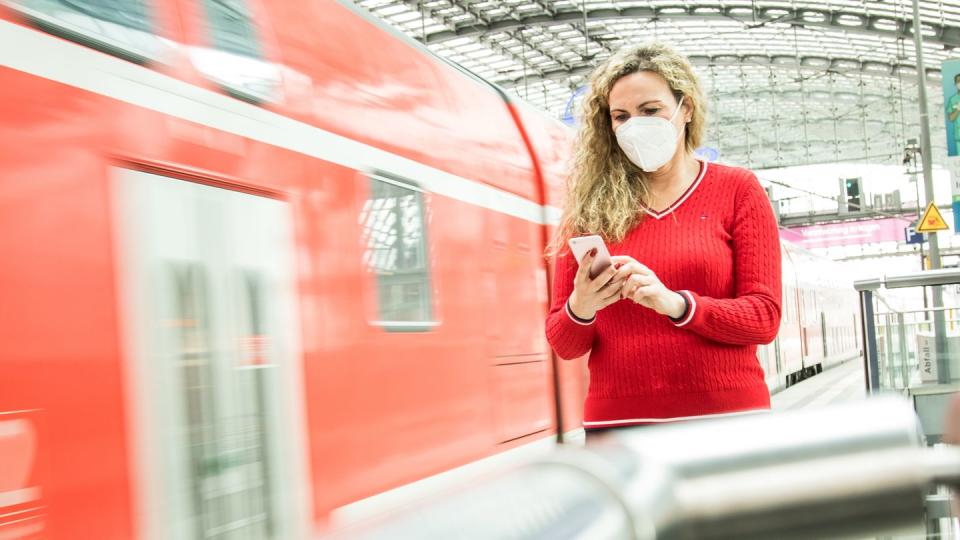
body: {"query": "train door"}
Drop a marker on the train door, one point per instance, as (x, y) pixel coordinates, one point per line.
(823, 334)
(767, 356)
(801, 302)
(811, 327)
(789, 339)
(214, 381)
(519, 354)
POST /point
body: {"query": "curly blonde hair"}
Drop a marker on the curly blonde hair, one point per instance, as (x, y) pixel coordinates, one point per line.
(605, 188)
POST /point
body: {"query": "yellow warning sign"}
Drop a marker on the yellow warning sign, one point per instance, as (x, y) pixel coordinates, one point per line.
(932, 220)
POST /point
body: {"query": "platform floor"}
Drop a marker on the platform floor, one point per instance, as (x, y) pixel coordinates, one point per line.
(837, 384)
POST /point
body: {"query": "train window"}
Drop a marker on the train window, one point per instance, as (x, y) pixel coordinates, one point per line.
(122, 28)
(235, 58)
(226, 440)
(232, 27)
(393, 221)
(194, 360)
(251, 422)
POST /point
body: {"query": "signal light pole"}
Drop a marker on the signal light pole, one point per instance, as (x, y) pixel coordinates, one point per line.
(939, 322)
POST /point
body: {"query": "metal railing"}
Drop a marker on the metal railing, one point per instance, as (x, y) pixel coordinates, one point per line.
(893, 354)
(901, 336)
(858, 468)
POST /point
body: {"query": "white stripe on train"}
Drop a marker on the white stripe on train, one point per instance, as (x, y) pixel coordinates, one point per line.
(52, 58)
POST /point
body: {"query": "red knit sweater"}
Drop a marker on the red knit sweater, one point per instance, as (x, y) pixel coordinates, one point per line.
(718, 244)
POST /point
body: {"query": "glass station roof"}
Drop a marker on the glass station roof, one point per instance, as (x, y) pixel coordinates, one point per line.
(789, 82)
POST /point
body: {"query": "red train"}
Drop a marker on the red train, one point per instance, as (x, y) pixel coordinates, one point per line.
(266, 262)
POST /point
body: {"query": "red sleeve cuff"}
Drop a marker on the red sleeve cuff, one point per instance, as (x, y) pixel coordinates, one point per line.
(691, 314)
(578, 320)
(569, 337)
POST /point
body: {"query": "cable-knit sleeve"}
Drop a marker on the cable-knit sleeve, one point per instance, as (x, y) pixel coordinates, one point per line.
(569, 338)
(752, 316)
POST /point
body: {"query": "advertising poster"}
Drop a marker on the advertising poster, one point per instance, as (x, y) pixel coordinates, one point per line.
(847, 234)
(951, 101)
(953, 164)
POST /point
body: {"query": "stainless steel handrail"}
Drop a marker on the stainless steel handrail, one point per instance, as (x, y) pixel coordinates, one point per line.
(802, 474)
(852, 469)
(925, 278)
(927, 310)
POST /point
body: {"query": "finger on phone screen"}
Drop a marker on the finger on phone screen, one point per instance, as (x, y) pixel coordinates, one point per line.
(583, 272)
(587, 260)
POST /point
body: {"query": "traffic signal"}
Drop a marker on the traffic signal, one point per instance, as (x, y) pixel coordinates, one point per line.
(852, 194)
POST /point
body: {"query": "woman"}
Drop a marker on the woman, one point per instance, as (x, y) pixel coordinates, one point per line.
(672, 327)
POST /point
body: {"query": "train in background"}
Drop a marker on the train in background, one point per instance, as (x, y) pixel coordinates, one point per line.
(265, 263)
(820, 320)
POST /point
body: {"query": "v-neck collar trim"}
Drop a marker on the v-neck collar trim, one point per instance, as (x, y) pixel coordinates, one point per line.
(686, 194)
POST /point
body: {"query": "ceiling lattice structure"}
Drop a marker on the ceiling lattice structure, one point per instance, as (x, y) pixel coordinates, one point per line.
(789, 82)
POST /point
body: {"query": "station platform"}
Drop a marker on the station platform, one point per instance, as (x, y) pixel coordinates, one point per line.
(840, 383)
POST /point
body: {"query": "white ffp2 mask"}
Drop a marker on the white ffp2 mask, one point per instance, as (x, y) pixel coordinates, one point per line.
(649, 141)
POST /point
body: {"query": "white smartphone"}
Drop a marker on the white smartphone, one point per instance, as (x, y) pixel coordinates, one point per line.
(581, 245)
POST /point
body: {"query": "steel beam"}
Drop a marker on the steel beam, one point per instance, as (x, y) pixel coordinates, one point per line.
(846, 20)
(835, 64)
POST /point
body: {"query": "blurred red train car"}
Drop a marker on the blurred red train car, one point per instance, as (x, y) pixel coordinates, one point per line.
(263, 264)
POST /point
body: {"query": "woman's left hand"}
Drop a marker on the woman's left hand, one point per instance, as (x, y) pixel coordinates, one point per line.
(644, 287)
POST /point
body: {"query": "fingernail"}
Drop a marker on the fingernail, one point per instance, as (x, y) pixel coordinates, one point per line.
(593, 252)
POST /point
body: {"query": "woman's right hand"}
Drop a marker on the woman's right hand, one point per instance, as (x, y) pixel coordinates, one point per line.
(591, 295)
